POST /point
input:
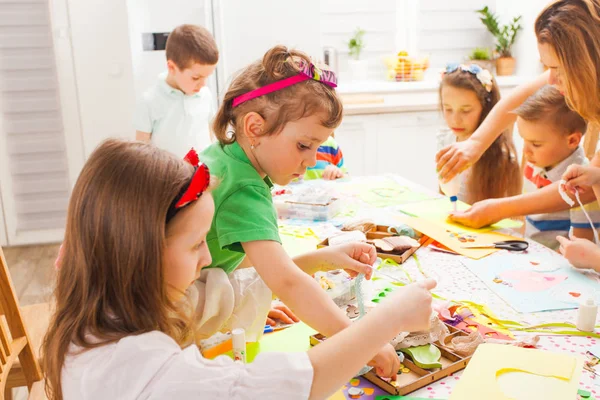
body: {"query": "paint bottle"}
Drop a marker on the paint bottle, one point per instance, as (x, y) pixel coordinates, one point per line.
(586, 316)
(451, 189)
(238, 339)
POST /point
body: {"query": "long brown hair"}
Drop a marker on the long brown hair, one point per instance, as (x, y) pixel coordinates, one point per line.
(279, 107)
(110, 281)
(497, 173)
(572, 28)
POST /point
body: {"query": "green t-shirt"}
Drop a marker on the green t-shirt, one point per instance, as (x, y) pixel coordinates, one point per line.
(244, 210)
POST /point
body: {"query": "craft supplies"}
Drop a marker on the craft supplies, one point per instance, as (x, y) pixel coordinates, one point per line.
(426, 356)
(239, 344)
(389, 242)
(311, 203)
(586, 315)
(363, 225)
(346, 237)
(510, 245)
(496, 369)
(570, 202)
(532, 283)
(451, 189)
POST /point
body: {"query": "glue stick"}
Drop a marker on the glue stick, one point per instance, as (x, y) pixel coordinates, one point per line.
(586, 316)
(451, 189)
(238, 338)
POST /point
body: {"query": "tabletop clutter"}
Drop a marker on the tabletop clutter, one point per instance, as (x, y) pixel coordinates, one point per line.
(494, 356)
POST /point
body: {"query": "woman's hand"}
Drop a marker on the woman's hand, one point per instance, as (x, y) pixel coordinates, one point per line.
(455, 158)
(482, 213)
(581, 177)
(581, 253)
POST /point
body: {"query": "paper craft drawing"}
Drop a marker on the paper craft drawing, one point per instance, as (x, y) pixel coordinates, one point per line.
(514, 279)
(455, 238)
(383, 192)
(529, 281)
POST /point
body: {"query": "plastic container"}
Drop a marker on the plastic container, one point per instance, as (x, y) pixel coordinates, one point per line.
(586, 316)
(452, 188)
(311, 204)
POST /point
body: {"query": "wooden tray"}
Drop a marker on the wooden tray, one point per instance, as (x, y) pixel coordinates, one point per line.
(418, 377)
(380, 232)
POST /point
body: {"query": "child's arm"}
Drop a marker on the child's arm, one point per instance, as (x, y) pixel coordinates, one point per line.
(296, 289)
(305, 297)
(342, 355)
(583, 176)
(354, 257)
(486, 212)
(142, 136)
(455, 158)
(580, 252)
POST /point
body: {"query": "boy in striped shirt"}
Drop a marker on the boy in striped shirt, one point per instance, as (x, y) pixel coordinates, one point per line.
(330, 162)
(552, 134)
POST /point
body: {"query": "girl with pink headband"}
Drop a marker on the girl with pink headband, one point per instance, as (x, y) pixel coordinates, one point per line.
(274, 115)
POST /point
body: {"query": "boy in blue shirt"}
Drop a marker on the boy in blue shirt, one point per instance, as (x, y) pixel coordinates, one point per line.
(175, 113)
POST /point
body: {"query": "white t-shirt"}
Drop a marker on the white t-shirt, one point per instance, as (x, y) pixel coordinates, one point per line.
(153, 366)
(176, 121)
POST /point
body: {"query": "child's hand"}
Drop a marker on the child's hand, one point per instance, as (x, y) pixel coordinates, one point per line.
(354, 258)
(580, 177)
(580, 252)
(482, 213)
(412, 303)
(386, 362)
(280, 312)
(332, 172)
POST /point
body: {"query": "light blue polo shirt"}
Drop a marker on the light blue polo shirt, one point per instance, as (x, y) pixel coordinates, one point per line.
(176, 121)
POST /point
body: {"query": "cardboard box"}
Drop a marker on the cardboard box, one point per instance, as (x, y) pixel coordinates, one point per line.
(380, 232)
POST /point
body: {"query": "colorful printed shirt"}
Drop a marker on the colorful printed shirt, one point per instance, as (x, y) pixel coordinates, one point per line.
(329, 153)
(544, 228)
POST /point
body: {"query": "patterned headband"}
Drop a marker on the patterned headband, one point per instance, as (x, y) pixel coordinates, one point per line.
(483, 75)
(307, 71)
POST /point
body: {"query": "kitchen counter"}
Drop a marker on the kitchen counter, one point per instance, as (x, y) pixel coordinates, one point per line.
(382, 97)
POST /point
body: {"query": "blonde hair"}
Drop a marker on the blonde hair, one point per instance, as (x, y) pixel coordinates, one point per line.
(572, 28)
(110, 281)
(189, 44)
(497, 173)
(547, 105)
(280, 107)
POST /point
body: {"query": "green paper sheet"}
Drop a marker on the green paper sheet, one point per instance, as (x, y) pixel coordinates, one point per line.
(437, 211)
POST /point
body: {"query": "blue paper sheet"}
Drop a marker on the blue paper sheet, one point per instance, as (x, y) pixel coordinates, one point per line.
(532, 282)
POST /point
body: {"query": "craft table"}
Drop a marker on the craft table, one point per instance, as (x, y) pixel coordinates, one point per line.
(376, 198)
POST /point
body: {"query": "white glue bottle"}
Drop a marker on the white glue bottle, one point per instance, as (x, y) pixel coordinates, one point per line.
(586, 316)
(451, 189)
(238, 339)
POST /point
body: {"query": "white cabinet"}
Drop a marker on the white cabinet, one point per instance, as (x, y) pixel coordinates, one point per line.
(402, 143)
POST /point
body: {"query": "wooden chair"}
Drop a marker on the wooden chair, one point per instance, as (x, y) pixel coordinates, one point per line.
(19, 347)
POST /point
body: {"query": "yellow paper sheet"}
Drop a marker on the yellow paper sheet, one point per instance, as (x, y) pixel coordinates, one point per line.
(480, 379)
(438, 210)
(449, 235)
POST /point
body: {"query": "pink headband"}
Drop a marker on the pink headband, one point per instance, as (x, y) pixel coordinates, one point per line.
(307, 71)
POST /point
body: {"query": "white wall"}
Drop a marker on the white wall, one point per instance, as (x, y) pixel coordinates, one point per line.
(525, 48)
(146, 16)
(249, 28)
(103, 69)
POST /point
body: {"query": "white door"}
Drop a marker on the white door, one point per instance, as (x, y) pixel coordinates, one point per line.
(40, 154)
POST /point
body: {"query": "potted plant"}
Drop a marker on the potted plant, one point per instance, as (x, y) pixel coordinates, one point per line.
(505, 36)
(358, 68)
(482, 57)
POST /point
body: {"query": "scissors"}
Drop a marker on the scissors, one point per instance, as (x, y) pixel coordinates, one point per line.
(510, 245)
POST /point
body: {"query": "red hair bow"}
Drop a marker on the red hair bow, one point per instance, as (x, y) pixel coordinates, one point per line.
(199, 182)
